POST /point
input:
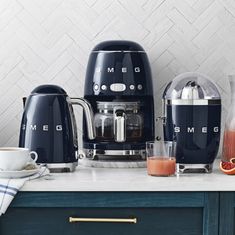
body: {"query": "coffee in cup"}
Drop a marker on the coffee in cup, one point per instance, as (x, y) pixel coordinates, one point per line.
(15, 159)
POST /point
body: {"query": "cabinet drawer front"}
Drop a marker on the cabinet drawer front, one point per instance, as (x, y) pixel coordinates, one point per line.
(49, 221)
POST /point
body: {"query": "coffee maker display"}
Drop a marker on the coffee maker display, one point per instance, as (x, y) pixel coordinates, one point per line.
(192, 117)
(48, 127)
(118, 86)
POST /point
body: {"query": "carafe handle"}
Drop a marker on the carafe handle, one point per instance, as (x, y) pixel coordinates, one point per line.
(120, 125)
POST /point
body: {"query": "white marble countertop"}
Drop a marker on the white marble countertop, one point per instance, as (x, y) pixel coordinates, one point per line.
(132, 179)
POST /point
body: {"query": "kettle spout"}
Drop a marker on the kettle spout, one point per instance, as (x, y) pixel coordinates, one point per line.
(89, 115)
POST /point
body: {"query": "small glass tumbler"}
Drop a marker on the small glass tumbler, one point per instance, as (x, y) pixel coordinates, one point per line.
(161, 158)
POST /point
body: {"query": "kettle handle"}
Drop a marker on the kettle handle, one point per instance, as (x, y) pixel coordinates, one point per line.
(88, 114)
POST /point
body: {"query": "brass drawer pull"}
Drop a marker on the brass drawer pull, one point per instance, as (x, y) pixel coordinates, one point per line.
(105, 220)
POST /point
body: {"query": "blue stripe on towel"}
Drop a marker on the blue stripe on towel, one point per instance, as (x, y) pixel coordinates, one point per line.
(6, 192)
(8, 187)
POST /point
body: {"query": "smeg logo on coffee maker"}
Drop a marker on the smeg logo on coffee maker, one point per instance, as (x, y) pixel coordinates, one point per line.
(203, 129)
(42, 127)
(112, 69)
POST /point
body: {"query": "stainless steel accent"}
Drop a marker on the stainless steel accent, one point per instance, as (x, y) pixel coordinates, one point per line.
(103, 220)
(61, 167)
(191, 91)
(92, 153)
(132, 87)
(119, 125)
(118, 87)
(88, 114)
(140, 87)
(192, 102)
(104, 87)
(194, 168)
(96, 87)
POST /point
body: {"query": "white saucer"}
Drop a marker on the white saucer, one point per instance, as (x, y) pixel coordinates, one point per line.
(19, 174)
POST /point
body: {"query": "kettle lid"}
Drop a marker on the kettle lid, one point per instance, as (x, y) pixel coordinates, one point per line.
(49, 89)
(191, 86)
(118, 45)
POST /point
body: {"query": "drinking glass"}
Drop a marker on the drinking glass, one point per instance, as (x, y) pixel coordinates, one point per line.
(161, 158)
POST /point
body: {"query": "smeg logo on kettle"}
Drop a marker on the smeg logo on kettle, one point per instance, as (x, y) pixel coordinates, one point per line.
(34, 127)
(112, 69)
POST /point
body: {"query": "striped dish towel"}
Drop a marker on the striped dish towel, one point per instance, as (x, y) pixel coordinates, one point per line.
(10, 187)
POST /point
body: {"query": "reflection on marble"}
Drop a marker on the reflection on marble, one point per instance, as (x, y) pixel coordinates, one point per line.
(111, 164)
(86, 179)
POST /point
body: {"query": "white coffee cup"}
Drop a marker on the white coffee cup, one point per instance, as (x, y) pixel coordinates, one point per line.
(15, 159)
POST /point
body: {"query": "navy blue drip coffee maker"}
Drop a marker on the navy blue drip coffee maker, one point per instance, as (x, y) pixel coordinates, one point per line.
(119, 88)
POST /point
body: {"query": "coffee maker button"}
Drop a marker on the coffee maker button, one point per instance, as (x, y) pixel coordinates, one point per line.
(132, 87)
(140, 87)
(96, 87)
(118, 87)
(104, 87)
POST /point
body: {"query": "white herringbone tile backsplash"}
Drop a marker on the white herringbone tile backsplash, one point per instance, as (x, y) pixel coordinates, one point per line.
(49, 41)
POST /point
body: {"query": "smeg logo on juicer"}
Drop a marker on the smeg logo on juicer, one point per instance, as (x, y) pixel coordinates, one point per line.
(204, 129)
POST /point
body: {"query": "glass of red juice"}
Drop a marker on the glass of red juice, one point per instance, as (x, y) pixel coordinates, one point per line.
(161, 158)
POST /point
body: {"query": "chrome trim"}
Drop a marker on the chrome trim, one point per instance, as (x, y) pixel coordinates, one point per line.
(192, 102)
(89, 115)
(62, 167)
(120, 51)
(194, 168)
(92, 153)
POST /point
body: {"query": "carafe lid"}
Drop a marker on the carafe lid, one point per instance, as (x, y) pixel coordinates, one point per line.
(191, 86)
(49, 89)
(111, 105)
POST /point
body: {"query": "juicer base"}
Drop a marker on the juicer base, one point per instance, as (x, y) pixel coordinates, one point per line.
(61, 167)
(194, 168)
(100, 154)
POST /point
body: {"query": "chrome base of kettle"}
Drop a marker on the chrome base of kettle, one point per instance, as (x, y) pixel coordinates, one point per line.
(194, 168)
(61, 167)
(99, 154)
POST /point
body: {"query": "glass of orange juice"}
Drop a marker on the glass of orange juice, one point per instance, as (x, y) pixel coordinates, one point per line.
(161, 158)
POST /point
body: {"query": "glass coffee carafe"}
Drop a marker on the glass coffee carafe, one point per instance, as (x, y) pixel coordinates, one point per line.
(229, 132)
(118, 121)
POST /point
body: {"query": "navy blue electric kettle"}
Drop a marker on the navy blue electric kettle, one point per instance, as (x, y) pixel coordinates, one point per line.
(48, 127)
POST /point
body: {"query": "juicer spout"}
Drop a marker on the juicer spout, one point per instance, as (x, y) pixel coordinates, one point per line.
(89, 115)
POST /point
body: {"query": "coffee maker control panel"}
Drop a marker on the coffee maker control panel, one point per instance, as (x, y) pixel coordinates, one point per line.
(117, 87)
